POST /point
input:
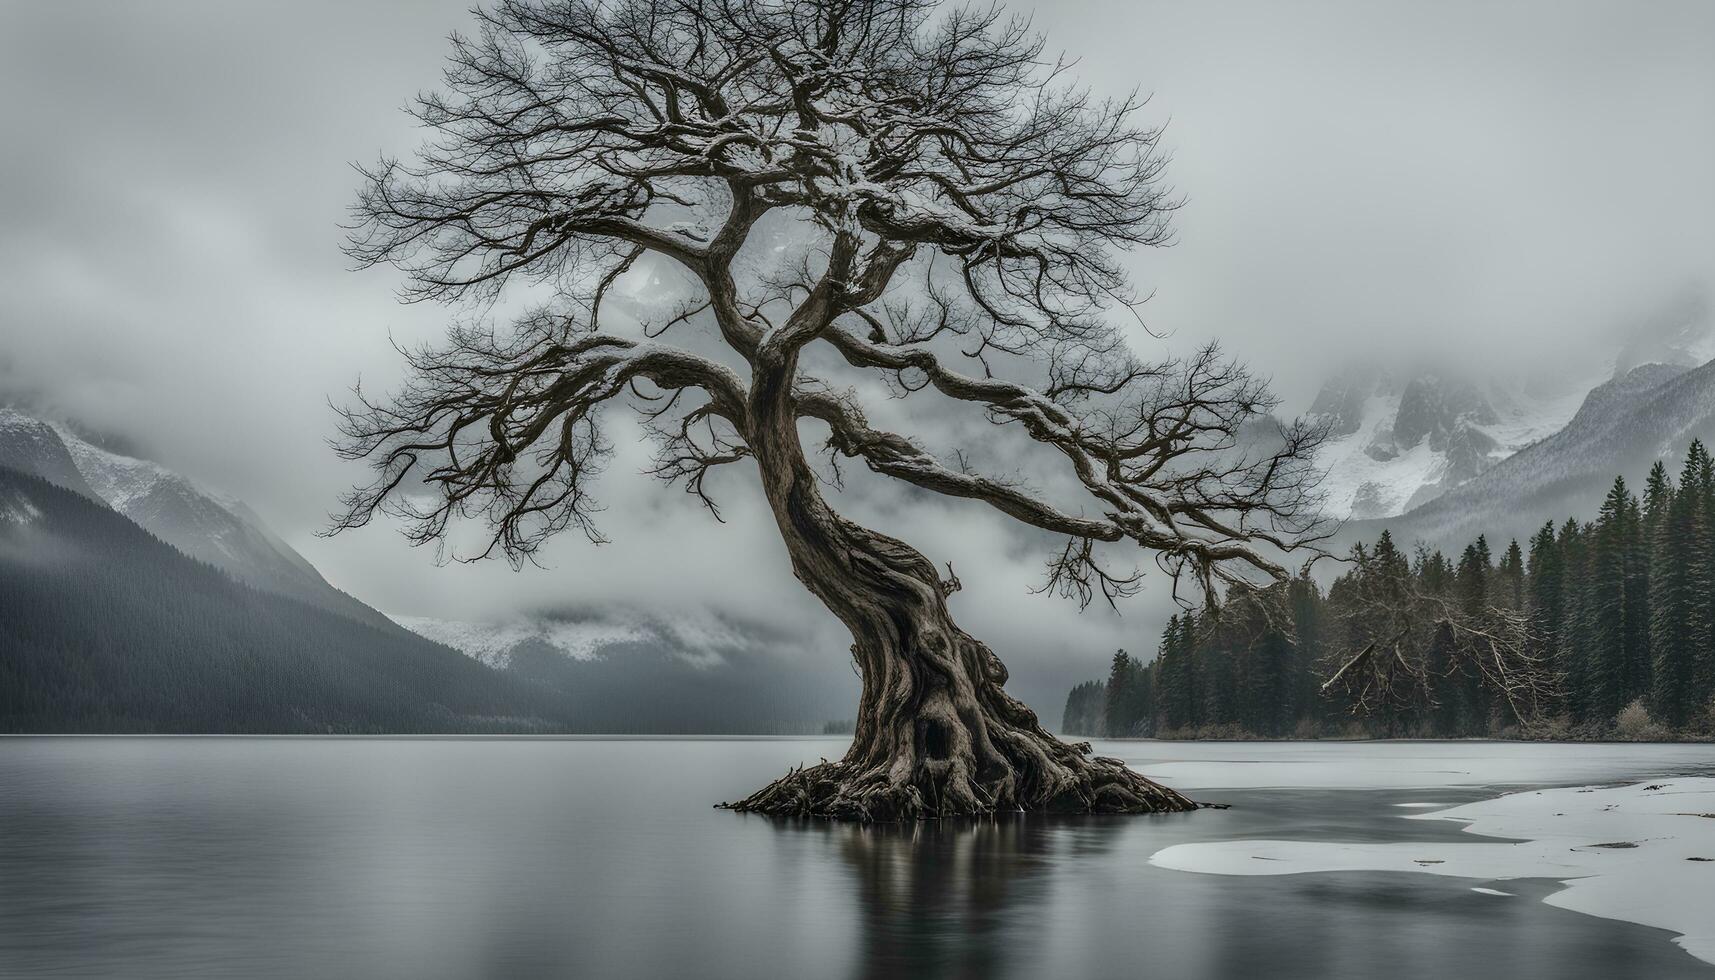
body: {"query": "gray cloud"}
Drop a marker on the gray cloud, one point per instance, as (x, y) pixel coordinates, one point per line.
(1498, 178)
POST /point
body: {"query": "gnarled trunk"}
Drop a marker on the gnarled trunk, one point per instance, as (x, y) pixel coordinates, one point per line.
(937, 735)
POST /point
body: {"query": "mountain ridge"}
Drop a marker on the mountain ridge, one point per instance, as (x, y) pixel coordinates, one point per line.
(1622, 427)
(205, 524)
(1397, 440)
(111, 629)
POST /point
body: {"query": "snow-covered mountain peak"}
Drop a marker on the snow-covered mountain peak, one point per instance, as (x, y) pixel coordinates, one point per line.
(32, 446)
(1624, 425)
(204, 524)
(494, 643)
(1400, 438)
(701, 641)
(1680, 332)
(125, 481)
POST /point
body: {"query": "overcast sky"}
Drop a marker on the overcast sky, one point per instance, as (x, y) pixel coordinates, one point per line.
(1495, 177)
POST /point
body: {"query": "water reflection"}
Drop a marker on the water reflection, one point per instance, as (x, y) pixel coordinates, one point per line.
(936, 896)
(1076, 896)
(969, 898)
(427, 859)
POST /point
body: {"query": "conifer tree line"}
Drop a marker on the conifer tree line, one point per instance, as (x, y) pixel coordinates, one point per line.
(1595, 629)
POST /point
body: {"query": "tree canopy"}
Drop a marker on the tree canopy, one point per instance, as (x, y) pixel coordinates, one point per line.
(916, 190)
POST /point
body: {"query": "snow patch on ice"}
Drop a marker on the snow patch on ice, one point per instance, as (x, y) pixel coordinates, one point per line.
(1400, 765)
(1635, 853)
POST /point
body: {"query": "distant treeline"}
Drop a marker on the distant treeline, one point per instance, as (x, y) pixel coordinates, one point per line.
(1592, 630)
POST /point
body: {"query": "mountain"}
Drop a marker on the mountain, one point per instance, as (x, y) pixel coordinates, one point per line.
(32, 446)
(621, 672)
(611, 672)
(203, 524)
(109, 629)
(1651, 412)
(1396, 441)
(1402, 436)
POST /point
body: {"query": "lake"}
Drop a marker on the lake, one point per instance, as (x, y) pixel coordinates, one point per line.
(589, 857)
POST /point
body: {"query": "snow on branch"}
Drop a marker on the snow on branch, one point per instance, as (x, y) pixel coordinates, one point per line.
(507, 428)
(966, 209)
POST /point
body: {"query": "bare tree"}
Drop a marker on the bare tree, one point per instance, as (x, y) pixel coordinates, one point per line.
(958, 213)
(1412, 643)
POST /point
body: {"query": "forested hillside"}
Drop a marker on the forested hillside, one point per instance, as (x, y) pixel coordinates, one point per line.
(104, 628)
(1595, 629)
(208, 526)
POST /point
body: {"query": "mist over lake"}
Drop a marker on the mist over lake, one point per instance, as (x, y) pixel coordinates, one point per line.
(857, 488)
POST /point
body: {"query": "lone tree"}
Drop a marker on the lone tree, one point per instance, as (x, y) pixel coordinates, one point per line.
(893, 190)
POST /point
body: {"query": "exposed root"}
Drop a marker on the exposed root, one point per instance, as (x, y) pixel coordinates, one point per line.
(845, 791)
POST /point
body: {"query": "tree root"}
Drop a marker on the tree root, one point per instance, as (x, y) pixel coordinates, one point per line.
(844, 791)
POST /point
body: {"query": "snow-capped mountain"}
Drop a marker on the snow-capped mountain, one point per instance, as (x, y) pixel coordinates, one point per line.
(1622, 427)
(494, 643)
(29, 445)
(1402, 436)
(1396, 442)
(106, 628)
(1680, 332)
(200, 522)
(621, 671)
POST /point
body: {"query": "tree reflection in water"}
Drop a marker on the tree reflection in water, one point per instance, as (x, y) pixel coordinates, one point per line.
(955, 898)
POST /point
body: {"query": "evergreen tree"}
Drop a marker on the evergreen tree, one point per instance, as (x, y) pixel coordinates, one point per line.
(1217, 673)
(1622, 607)
(1265, 657)
(1633, 676)
(1389, 560)
(1700, 697)
(1545, 592)
(1140, 701)
(1173, 677)
(1679, 589)
(1191, 669)
(1658, 498)
(1612, 672)
(1472, 577)
(1085, 712)
(1575, 630)
(1434, 572)
(1510, 578)
(1121, 698)
(1461, 706)
(1307, 603)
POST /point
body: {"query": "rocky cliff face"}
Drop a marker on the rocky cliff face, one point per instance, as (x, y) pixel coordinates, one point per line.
(29, 445)
(1623, 426)
(1397, 441)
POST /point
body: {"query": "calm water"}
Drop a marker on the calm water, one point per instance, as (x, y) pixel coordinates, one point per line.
(595, 858)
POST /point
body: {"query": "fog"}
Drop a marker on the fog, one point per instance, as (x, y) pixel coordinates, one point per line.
(1487, 182)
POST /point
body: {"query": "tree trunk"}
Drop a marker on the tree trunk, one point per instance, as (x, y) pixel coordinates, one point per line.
(937, 736)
